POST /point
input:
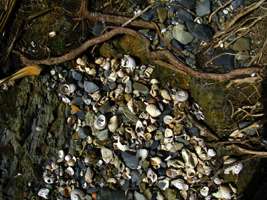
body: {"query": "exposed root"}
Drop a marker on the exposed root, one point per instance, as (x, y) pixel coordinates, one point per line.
(241, 150)
(218, 9)
(164, 58)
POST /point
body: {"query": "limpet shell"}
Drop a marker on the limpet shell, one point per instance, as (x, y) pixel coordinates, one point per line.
(222, 193)
(152, 110)
(113, 124)
(100, 122)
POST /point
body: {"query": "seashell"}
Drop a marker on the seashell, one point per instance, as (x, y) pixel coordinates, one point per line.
(107, 155)
(211, 153)
(77, 195)
(128, 62)
(180, 96)
(52, 34)
(106, 65)
(168, 132)
(67, 89)
(235, 169)
(130, 105)
(139, 128)
(60, 155)
(118, 145)
(165, 95)
(113, 124)
(152, 110)
(204, 191)
(155, 162)
(154, 81)
(142, 154)
(217, 181)
(69, 171)
(175, 164)
(164, 184)
(222, 193)
(200, 153)
(151, 128)
(120, 73)
(167, 119)
(179, 184)
(148, 72)
(189, 158)
(152, 176)
(173, 173)
(80, 61)
(113, 76)
(48, 179)
(100, 122)
(90, 71)
(99, 61)
(44, 192)
(88, 177)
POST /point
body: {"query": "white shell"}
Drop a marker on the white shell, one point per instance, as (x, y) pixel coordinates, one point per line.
(211, 152)
(80, 61)
(168, 132)
(180, 184)
(236, 169)
(167, 119)
(100, 122)
(107, 155)
(152, 176)
(139, 128)
(222, 193)
(142, 153)
(77, 195)
(165, 95)
(52, 34)
(204, 191)
(155, 162)
(128, 62)
(43, 193)
(69, 171)
(154, 81)
(152, 110)
(180, 96)
(113, 124)
(99, 61)
(67, 89)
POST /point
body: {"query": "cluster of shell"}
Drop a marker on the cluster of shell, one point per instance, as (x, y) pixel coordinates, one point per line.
(130, 134)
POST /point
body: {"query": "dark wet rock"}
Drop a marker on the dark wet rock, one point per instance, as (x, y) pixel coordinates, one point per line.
(224, 59)
(200, 31)
(135, 177)
(182, 15)
(98, 28)
(237, 3)
(181, 35)
(203, 7)
(76, 75)
(138, 196)
(177, 45)
(194, 131)
(149, 15)
(106, 194)
(102, 135)
(190, 4)
(242, 44)
(141, 88)
(90, 87)
(130, 160)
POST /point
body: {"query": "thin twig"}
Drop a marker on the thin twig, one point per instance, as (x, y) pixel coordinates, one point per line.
(218, 9)
(137, 15)
(155, 57)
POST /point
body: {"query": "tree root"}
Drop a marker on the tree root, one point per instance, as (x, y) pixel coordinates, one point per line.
(163, 58)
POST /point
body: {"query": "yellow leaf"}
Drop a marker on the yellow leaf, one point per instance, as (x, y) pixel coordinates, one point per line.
(31, 70)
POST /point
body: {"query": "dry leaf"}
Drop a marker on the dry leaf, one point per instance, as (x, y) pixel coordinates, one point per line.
(31, 70)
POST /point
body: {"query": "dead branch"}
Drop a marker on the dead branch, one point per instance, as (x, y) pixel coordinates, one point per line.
(241, 150)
